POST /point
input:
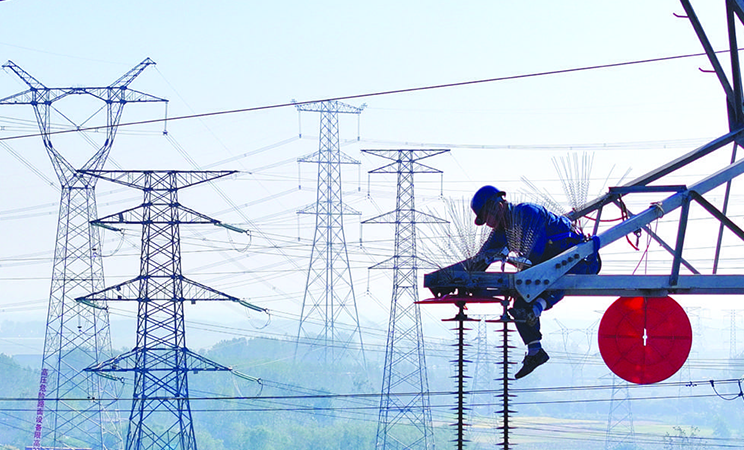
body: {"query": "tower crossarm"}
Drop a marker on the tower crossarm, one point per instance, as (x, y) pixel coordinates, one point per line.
(127, 78)
(504, 284)
(553, 268)
(404, 262)
(393, 218)
(413, 156)
(32, 82)
(415, 168)
(184, 215)
(343, 210)
(328, 106)
(118, 92)
(532, 282)
(158, 179)
(122, 82)
(193, 291)
(319, 158)
(37, 96)
(160, 361)
(107, 94)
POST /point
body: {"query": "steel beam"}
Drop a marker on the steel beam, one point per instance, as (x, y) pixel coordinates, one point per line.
(532, 282)
(658, 173)
(504, 284)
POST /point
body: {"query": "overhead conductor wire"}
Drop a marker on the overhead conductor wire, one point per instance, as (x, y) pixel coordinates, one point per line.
(379, 93)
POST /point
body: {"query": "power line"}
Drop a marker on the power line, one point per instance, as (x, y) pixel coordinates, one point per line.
(379, 93)
(372, 407)
(699, 383)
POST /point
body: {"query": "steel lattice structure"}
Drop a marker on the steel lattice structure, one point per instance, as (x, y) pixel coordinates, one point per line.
(620, 432)
(77, 335)
(160, 417)
(405, 421)
(681, 277)
(329, 321)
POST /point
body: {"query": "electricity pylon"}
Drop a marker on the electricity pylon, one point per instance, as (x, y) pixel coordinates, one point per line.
(77, 335)
(161, 416)
(405, 420)
(577, 356)
(620, 432)
(329, 321)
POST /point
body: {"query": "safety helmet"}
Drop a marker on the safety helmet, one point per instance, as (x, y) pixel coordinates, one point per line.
(481, 199)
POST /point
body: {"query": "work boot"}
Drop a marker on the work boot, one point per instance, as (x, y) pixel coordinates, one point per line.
(523, 315)
(531, 362)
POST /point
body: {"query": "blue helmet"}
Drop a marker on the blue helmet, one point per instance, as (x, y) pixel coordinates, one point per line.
(481, 198)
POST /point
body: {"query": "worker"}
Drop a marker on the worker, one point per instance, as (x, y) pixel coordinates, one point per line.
(538, 235)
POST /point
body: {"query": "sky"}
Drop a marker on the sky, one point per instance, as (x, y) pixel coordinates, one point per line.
(239, 56)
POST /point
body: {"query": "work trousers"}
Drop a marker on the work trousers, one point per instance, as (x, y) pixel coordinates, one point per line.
(532, 333)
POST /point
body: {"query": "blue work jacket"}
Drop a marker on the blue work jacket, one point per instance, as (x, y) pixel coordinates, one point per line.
(533, 232)
(537, 234)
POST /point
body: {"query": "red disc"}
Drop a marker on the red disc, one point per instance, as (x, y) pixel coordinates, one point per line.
(645, 340)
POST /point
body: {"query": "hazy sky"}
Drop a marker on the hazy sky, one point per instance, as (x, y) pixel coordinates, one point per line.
(222, 55)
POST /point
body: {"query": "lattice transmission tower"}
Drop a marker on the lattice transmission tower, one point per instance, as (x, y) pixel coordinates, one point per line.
(77, 335)
(329, 321)
(577, 352)
(620, 431)
(405, 420)
(160, 417)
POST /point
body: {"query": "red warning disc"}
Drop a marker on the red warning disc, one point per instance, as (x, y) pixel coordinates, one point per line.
(645, 340)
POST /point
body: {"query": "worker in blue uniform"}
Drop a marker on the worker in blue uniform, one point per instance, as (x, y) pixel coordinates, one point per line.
(549, 235)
